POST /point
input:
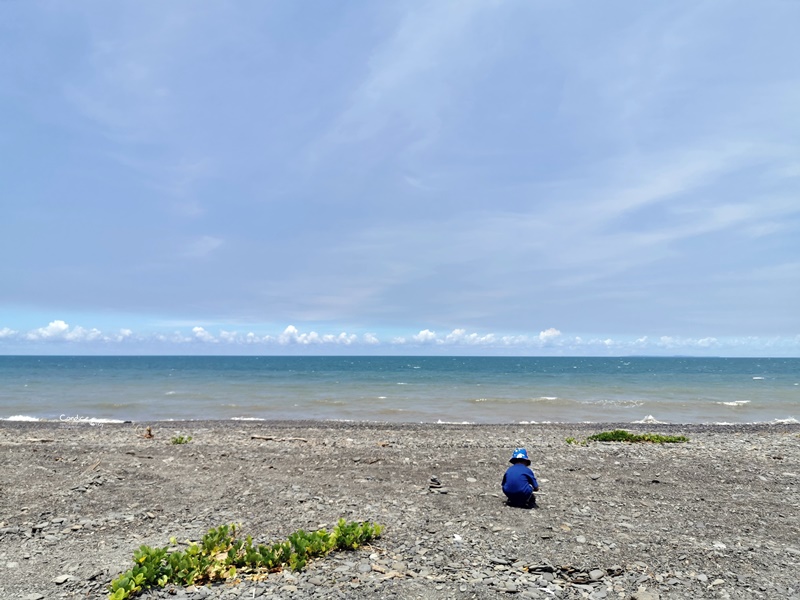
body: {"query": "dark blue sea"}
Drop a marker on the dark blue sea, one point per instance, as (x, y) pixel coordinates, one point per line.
(401, 389)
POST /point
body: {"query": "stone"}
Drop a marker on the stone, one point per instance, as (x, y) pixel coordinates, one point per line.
(596, 574)
(62, 579)
(580, 539)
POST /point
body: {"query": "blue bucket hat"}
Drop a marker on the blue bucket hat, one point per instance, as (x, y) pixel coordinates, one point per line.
(520, 454)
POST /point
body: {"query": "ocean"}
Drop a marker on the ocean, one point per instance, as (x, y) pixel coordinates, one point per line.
(401, 389)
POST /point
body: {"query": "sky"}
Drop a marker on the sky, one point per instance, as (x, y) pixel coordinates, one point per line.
(516, 177)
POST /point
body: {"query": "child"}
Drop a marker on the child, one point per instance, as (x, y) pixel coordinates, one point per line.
(519, 482)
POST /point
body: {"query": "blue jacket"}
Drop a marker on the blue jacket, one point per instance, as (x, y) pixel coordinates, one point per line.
(519, 481)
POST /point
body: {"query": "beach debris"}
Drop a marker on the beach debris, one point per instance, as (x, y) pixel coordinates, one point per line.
(39, 440)
(270, 438)
(435, 486)
(91, 467)
(148, 433)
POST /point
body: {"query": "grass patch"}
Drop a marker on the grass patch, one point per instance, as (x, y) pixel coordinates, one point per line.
(620, 435)
(220, 556)
(179, 439)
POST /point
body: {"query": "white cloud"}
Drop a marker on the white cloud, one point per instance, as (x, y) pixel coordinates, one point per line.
(548, 335)
(403, 82)
(201, 247)
(79, 334)
(550, 341)
(200, 334)
(56, 329)
(460, 336)
(426, 336)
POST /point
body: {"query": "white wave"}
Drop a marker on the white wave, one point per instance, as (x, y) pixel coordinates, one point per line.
(735, 403)
(758, 378)
(788, 421)
(89, 420)
(170, 393)
(381, 397)
(21, 418)
(247, 419)
(606, 402)
(650, 420)
(440, 422)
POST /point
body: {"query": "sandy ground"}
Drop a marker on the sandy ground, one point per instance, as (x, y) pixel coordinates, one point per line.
(713, 518)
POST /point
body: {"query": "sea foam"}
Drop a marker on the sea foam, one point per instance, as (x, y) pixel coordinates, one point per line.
(650, 420)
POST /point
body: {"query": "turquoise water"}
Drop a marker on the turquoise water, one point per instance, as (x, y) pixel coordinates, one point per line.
(401, 389)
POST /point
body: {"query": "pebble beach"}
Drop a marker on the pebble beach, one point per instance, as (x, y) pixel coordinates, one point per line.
(716, 517)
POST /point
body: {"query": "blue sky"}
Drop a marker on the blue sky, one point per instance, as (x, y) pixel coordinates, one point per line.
(518, 177)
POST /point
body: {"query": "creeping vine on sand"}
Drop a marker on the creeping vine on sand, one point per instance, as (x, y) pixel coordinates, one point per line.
(620, 435)
(219, 556)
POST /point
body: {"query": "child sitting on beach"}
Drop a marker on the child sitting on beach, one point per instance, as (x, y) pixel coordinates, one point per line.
(519, 482)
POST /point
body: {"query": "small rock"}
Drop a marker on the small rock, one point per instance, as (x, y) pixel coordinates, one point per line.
(580, 539)
(596, 574)
(62, 579)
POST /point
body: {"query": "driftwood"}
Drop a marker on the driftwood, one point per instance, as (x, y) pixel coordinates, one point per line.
(91, 468)
(275, 439)
(43, 440)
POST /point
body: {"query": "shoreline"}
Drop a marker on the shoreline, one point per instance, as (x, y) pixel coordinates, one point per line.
(789, 425)
(716, 517)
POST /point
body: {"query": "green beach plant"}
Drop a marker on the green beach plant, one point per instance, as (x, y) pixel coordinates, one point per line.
(576, 442)
(620, 435)
(179, 439)
(220, 556)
